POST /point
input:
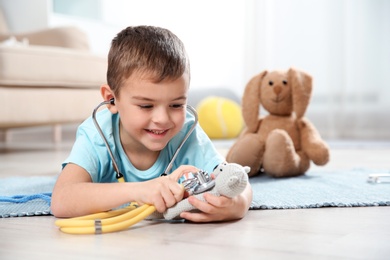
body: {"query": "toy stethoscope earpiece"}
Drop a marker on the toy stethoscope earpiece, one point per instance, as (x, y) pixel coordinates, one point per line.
(117, 220)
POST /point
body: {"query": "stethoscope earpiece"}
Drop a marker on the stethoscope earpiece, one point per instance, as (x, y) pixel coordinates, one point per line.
(112, 101)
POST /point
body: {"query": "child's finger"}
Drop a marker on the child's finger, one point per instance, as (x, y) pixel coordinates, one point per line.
(178, 192)
(182, 170)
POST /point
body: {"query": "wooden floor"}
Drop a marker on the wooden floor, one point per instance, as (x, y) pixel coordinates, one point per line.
(325, 233)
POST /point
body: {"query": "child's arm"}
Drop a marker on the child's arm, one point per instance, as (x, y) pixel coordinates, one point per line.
(220, 208)
(74, 193)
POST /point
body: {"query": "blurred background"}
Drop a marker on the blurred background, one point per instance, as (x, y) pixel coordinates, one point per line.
(343, 44)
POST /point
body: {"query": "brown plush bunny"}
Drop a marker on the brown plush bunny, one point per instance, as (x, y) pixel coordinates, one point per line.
(283, 143)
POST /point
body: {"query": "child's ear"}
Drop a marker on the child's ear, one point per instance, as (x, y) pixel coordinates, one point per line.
(108, 95)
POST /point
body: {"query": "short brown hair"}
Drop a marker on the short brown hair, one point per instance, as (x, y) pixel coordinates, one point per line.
(145, 49)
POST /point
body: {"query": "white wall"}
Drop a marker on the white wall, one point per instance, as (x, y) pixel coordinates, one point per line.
(343, 44)
(25, 15)
(212, 31)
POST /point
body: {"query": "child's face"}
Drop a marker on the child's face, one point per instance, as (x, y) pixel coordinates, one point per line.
(151, 113)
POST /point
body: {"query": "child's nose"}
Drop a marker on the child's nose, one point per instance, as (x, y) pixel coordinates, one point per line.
(160, 115)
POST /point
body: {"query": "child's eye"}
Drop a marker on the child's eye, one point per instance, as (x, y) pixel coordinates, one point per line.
(177, 106)
(146, 106)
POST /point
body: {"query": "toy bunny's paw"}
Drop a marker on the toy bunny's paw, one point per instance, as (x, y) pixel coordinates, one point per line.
(321, 155)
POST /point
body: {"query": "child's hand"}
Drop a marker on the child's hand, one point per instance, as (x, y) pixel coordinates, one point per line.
(219, 208)
(164, 192)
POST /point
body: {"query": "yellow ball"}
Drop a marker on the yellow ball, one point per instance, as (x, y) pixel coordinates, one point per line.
(220, 117)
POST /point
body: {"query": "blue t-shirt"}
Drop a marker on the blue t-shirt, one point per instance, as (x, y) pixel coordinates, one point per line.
(89, 151)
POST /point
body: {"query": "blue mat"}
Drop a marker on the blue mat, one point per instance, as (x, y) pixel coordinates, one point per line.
(320, 189)
(30, 196)
(25, 196)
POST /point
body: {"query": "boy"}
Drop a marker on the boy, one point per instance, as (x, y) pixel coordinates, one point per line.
(148, 79)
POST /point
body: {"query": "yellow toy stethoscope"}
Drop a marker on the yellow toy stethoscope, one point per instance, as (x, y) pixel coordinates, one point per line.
(120, 219)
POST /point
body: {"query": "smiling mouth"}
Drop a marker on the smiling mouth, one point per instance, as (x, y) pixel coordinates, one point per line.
(156, 132)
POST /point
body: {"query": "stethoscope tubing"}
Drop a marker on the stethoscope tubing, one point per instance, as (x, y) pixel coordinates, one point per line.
(119, 175)
(121, 219)
(170, 165)
(99, 226)
(108, 218)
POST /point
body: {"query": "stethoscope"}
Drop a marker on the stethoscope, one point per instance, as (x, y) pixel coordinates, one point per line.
(119, 175)
(121, 219)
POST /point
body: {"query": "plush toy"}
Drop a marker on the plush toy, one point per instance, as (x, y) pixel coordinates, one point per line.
(220, 117)
(283, 143)
(231, 179)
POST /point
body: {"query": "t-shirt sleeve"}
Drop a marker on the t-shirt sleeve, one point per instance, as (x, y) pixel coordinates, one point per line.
(84, 154)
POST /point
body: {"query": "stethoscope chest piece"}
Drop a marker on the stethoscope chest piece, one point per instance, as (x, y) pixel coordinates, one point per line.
(200, 183)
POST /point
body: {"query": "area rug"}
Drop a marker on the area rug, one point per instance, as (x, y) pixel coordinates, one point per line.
(320, 189)
(25, 196)
(30, 196)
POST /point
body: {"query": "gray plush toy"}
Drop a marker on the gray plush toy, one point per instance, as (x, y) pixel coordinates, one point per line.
(231, 179)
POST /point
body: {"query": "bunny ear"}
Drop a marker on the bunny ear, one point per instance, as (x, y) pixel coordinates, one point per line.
(301, 85)
(251, 102)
